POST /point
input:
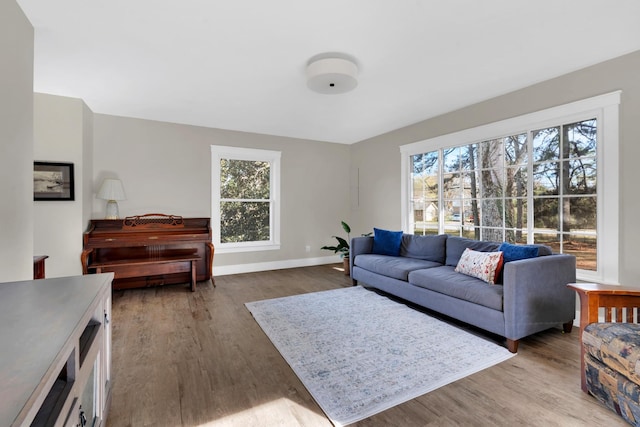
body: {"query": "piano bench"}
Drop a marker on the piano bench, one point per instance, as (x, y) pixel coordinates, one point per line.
(141, 267)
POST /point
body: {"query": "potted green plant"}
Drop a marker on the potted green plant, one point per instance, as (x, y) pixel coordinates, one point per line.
(342, 248)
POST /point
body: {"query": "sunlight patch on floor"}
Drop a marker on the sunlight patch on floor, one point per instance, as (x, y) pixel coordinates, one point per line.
(280, 412)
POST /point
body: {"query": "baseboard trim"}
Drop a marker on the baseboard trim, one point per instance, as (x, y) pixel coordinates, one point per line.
(224, 270)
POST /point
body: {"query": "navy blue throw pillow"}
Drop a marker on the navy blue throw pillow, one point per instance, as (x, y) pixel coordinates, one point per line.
(516, 252)
(386, 242)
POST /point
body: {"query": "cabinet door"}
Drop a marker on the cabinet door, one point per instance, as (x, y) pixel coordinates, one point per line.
(105, 382)
(89, 410)
(73, 419)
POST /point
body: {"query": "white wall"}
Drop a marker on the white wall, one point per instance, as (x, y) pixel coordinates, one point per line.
(166, 168)
(16, 144)
(63, 133)
(379, 158)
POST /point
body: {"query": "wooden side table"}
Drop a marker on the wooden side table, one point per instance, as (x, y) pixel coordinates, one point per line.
(612, 299)
(38, 266)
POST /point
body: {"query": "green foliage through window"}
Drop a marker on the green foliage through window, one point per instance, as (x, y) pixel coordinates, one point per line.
(245, 201)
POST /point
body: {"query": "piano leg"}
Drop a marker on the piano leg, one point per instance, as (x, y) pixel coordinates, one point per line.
(193, 275)
(210, 262)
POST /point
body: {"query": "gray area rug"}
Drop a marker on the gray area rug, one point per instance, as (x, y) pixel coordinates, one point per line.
(359, 353)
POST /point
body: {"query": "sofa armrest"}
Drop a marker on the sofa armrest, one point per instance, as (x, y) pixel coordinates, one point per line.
(360, 245)
(536, 295)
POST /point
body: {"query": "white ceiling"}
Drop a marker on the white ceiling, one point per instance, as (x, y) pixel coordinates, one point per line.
(240, 64)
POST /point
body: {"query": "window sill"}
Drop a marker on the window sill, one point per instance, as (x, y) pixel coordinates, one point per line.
(245, 248)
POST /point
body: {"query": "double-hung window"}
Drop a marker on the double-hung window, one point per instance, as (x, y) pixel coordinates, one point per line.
(245, 199)
(548, 177)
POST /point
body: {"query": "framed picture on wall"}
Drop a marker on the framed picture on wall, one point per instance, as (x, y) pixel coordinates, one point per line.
(53, 181)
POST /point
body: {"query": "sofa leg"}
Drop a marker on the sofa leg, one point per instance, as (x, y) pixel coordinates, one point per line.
(566, 327)
(354, 282)
(512, 345)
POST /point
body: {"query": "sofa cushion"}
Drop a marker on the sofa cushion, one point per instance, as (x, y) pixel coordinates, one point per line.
(390, 266)
(456, 246)
(543, 250)
(513, 252)
(430, 248)
(386, 242)
(446, 281)
(616, 345)
(483, 265)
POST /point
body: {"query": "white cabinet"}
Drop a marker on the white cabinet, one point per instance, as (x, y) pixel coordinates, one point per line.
(55, 364)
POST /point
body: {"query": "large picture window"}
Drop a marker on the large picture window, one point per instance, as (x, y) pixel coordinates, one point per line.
(543, 183)
(245, 203)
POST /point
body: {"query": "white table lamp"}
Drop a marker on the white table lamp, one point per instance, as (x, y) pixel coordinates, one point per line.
(112, 190)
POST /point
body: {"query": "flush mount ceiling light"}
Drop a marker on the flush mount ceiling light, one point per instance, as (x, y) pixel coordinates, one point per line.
(332, 74)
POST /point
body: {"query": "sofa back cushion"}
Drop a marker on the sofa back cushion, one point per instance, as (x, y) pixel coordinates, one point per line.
(457, 245)
(543, 250)
(428, 248)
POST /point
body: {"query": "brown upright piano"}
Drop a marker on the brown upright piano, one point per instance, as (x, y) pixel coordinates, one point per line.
(149, 250)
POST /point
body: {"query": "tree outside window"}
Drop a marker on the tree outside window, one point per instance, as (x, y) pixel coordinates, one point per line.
(565, 189)
(245, 202)
(485, 189)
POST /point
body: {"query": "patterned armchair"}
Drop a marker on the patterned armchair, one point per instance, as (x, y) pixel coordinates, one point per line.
(611, 350)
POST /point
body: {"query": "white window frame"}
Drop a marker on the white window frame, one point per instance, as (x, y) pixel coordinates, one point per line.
(235, 153)
(605, 108)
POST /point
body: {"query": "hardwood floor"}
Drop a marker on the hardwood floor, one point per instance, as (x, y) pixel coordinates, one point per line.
(199, 359)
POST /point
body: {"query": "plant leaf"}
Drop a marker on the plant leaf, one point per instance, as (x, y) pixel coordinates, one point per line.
(342, 242)
(346, 227)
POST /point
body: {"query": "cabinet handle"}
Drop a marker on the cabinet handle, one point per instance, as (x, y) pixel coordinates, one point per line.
(106, 318)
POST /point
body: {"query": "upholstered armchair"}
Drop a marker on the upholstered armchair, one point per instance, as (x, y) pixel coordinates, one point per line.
(610, 355)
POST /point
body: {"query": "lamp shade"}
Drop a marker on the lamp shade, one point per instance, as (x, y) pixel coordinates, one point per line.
(111, 189)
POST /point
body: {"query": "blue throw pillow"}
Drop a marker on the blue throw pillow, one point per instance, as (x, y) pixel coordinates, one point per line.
(512, 252)
(386, 242)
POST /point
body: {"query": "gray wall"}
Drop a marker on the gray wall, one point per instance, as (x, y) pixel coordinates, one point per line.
(166, 168)
(378, 159)
(63, 132)
(16, 144)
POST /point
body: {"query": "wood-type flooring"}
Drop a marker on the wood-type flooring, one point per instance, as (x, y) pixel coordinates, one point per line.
(197, 359)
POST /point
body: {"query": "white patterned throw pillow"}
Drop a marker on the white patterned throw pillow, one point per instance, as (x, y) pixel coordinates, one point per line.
(483, 265)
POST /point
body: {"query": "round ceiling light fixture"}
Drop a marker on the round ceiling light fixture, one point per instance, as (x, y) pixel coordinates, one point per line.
(332, 73)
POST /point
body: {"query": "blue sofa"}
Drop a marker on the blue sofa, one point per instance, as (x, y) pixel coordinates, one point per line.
(530, 296)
